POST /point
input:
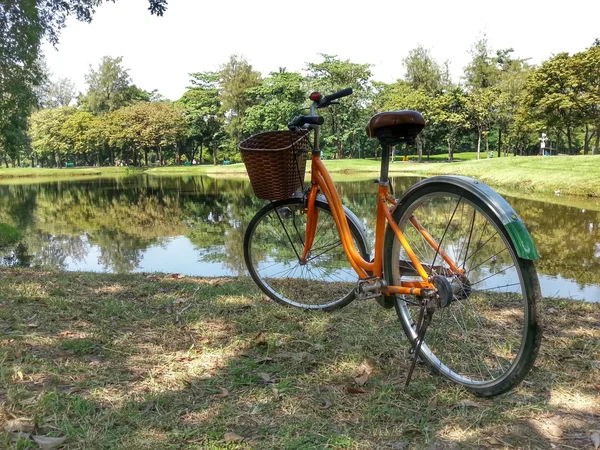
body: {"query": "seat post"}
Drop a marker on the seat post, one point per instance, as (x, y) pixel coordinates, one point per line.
(385, 162)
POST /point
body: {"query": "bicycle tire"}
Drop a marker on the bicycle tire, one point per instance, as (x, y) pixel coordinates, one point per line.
(274, 238)
(488, 336)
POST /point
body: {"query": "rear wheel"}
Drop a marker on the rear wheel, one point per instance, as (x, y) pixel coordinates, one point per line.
(273, 244)
(486, 337)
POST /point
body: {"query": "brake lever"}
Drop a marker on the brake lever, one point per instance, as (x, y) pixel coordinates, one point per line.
(325, 105)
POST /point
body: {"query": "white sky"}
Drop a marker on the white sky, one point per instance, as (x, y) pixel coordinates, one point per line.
(199, 35)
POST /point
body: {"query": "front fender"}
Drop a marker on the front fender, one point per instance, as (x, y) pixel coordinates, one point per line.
(512, 223)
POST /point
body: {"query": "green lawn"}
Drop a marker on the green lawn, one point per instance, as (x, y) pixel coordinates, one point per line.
(563, 175)
(144, 361)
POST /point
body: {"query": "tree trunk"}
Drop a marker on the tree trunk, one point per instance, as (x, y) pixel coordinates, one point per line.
(569, 141)
(420, 148)
(145, 155)
(450, 152)
(214, 153)
(487, 144)
(586, 140)
(499, 142)
(478, 143)
(596, 149)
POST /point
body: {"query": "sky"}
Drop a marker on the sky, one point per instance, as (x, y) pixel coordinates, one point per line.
(200, 35)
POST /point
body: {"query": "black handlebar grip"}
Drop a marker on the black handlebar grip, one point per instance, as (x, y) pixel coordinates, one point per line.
(300, 121)
(336, 95)
(314, 120)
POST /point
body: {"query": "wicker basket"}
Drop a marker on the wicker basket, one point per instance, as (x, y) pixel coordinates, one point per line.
(276, 162)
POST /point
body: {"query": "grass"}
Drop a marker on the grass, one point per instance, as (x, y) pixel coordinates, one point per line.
(33, 172)
(563, 175)
(161, 362)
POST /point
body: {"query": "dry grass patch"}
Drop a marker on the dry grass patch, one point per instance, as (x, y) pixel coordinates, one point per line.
(162, 362)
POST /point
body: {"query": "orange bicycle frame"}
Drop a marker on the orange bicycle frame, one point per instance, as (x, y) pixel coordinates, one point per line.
(321, 181)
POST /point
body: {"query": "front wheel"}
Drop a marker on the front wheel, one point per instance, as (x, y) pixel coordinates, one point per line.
(273, 244)
(486, 336)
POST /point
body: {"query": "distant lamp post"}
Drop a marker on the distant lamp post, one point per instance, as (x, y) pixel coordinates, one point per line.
(543, 140)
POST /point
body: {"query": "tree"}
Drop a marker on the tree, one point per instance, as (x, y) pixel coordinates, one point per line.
(59, 93)
(553, 91)
(23, 24)
(109, 87)
(513, 77)
(451, 113)
(48, 140)
(201, 110)
(587, 69)
(344, 127)
(482, 76)
(236, 78)
(423, 72)
(275, 100)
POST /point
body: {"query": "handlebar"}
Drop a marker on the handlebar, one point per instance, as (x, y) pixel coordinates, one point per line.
(300, 121)
(343, 93)
(319, 101)
(324, 101)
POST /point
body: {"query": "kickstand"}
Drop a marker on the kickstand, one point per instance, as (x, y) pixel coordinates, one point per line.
(425, 316)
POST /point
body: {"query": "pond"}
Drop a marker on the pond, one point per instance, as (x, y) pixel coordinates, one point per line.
(194, 225)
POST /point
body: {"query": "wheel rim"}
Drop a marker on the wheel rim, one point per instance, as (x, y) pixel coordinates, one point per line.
(276, 243)
(480, 337)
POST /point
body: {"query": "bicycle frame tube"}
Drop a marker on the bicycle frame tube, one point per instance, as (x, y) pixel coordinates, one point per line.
(321, 180)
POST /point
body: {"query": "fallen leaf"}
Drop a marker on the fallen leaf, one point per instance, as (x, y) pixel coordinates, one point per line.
(467, 404)
(264, 360)
(365, 369)
(325, 404)
(555, 430)
(150, 406)
(276, 393)
(48, 442)
(265, 376)
(33, 325)
(397, 445)
(433, 403)
(24, 425)
(18, 435)
(495, 441)
(552, 310)
(232, 437)
(595, 437)
(260, 339)
(28, 401)
(224, 393)
(354, 390)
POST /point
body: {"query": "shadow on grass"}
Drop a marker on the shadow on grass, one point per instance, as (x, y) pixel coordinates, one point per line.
(142, 361)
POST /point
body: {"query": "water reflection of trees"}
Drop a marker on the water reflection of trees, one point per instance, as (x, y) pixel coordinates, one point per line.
(566, 239)
(122, 217)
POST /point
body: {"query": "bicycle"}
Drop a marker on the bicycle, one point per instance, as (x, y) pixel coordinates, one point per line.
(451, 256)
